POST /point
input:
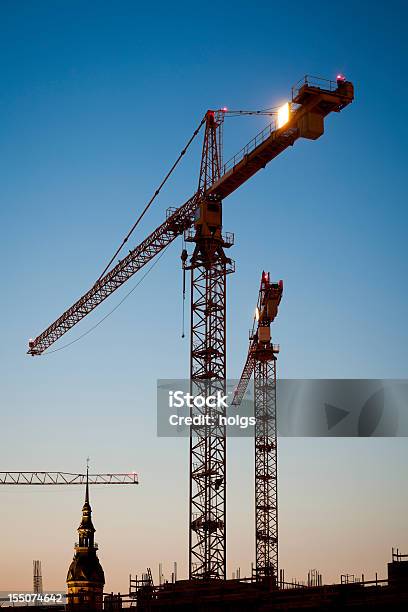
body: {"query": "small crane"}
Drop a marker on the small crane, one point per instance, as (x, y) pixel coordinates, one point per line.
(261, 361)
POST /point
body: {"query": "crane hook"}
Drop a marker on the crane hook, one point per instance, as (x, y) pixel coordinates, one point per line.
(183, 257)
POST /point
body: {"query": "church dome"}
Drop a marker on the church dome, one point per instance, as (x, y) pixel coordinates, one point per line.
(85, 568)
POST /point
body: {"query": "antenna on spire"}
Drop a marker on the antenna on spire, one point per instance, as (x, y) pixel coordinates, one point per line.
(87, 480)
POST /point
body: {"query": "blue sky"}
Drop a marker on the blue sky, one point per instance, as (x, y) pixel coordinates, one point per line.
(97, 99)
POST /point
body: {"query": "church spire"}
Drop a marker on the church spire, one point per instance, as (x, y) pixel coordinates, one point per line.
(85, 577)
(86, 530)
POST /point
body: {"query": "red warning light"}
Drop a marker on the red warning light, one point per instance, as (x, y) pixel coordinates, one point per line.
(340, 77)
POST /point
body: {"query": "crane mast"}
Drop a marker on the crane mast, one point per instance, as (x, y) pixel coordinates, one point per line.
(261, 361)
(209, 267)
(199, 219)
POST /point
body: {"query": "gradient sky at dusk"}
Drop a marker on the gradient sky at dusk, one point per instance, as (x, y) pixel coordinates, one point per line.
(96, 101)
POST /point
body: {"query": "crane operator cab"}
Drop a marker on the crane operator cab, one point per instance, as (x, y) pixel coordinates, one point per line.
(208, 218)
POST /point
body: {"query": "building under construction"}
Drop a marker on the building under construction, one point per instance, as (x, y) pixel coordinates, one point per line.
(260, 595)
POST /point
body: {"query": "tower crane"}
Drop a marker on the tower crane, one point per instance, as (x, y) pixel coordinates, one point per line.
(261, 361)
(200, 220)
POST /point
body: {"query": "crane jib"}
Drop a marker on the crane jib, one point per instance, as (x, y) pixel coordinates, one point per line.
(66, 478)
(310, 105)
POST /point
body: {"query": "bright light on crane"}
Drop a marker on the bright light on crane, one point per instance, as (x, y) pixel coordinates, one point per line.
(257, 314)
(283, 115)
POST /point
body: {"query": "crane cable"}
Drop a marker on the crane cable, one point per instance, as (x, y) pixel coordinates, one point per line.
(154, 196)
(88, 331)
(273, 110)
(184, 257)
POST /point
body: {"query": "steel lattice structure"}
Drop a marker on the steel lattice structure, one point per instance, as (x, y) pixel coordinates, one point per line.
(65, 478)
(37, 577)
(209, 267)
(266, 490)
(208, 441)
(261, 361)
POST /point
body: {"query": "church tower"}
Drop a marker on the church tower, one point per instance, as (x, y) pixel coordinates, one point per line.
(85, 579)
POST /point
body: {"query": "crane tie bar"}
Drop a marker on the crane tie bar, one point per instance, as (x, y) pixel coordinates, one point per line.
(150, 202)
